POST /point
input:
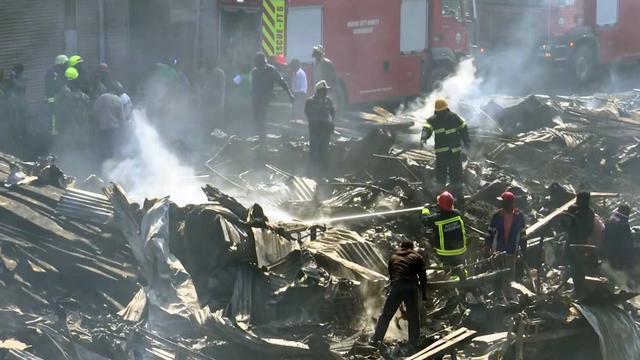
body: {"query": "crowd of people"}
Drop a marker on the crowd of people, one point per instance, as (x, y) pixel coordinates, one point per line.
(85, 113)
(588, 238)
(90, 113)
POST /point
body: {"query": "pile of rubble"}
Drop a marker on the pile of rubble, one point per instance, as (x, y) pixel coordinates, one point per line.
(93, 275)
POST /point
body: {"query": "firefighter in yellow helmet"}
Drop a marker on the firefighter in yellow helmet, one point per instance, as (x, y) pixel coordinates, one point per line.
(71, 114)
(77, 62)
(451, 134)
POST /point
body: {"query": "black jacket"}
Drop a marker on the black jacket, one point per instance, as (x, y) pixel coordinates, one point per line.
(450, 131)
(320, 114)
(408, 265)
(263, 80)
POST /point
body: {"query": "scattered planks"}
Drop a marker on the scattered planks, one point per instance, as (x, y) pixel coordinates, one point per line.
(443, 346)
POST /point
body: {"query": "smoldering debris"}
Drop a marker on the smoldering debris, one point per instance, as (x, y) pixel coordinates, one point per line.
(274, 264)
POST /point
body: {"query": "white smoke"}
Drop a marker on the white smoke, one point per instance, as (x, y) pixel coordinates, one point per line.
(461, 85)
(154, 171)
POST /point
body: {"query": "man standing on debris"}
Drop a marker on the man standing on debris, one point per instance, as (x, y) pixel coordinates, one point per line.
(450, 237)
(506, 234)
(451, 134)
(583, 227)
(263, 77)
(617, 245)
(320, 115)
(406, 269)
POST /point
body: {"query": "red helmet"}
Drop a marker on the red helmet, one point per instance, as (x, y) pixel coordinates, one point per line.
(280, 59)
(445, 201)
(507, 196)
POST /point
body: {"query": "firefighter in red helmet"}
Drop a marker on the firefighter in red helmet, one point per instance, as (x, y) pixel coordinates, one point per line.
(449, 235)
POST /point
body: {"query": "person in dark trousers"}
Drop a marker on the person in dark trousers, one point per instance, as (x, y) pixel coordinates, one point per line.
(211, 89)
(264, 76)
(451, 134)
(17, 95)
(617, 245)
(408, 277)
(506, 234)
(580, 221)
(449, 234)
(54, 80)
(320, 115)
(324, 69)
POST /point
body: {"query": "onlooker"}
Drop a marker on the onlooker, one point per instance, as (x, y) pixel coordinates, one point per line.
(17, 96)
(320, 115)
(617, 246)
(324, 68)
(506, 234)
(100, 81)
(263, 78)
(211, 91)
(299, 89)
(108, 115)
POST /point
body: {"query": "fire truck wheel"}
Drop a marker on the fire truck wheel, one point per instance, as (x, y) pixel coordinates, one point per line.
(583, 65)
(437, 76)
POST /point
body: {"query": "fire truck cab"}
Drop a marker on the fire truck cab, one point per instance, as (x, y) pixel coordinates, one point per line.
(381, 49)
(576, 35)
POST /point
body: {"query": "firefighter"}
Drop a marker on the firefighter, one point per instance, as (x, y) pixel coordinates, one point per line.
(82, 82)
(320, 115)
(72, 114)
(323, 68)
(408, 277)
(449, 235)
(451, 133)
(54, 80)
(263, 78)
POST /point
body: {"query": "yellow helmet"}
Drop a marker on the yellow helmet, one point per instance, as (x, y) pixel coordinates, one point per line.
(71, 73)
(441, 104)
(74, 60)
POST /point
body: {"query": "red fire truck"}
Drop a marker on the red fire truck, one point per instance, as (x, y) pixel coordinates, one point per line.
(382, 49)
(579, 35)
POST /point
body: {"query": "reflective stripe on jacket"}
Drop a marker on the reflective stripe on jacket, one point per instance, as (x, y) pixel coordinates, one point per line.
(450, 235)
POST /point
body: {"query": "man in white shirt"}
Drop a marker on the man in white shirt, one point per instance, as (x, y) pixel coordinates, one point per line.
(299, 89)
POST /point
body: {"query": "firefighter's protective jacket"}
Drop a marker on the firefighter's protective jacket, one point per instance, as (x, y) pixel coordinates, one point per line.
(450, 131)
(450, 236)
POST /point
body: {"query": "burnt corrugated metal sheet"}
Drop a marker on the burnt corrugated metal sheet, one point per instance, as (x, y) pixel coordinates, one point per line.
(86, 206)
(31, 33)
